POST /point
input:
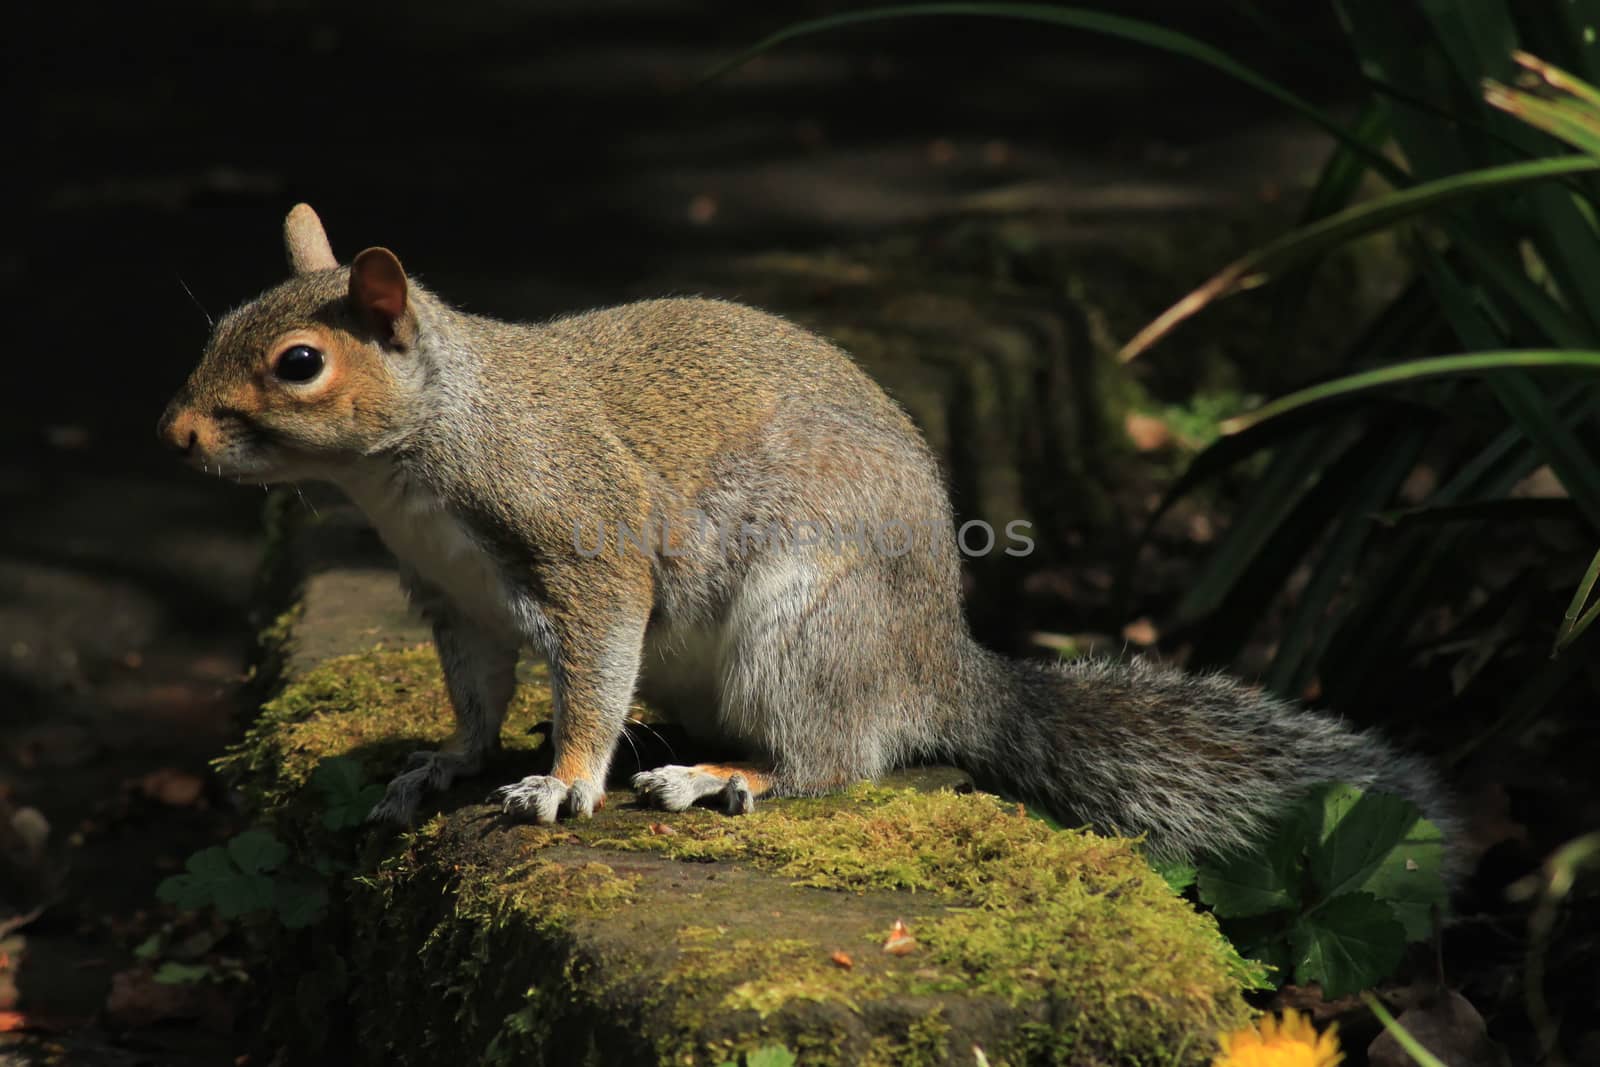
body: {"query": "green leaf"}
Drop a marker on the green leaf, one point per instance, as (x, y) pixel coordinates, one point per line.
(1373, 843)
(1356, 830)
(1348, 945)
(1043, 816)
(338, 777)
(229, 879)
(1261, 880)
(347, 797)
(299, 903)
(149, 948)
(255, 851)
(246, 893)
(205, 874)
(1265, 939)
(771, 1056)
(1178, 876)
(172, 973)
(1411, 879)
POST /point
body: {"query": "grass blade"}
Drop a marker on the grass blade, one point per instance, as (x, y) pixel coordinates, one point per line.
(1474, 364)
(1566, 120)
(1527, 404)
(1558, 79)
(1127, 29)
(1521, 510)
(1576, 620)
(1292, 474)
(1259, 266)
(1311, 626)
(1412, 1046)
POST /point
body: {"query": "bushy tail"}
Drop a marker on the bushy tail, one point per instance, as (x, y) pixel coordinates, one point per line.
(1200, 763)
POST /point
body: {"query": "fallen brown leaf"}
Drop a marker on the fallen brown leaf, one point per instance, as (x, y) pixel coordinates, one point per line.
(137, 999)
(841, 959)
(899, 942)
(1141, 632)
(1147, 432)
(172, 787)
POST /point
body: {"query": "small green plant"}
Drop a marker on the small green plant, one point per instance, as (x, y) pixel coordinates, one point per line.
(341, 783)
(770, 1056)
(254, 875)
(248, 876)
(1334, 896)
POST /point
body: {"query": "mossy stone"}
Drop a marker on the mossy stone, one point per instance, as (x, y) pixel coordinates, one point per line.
(640, 937)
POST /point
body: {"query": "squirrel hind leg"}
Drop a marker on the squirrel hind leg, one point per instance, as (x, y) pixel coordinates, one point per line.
(677, 787)
(426, 772)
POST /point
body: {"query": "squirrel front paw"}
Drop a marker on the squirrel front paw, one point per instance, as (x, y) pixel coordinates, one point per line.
(540, 798)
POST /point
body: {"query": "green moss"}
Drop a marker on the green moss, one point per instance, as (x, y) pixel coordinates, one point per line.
(378, 706)
(1031, 912)
(607, 940)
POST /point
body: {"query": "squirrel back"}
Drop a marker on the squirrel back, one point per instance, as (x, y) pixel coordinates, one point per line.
(697, 483)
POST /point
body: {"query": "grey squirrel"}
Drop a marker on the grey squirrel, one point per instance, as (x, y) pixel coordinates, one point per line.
(571, 486)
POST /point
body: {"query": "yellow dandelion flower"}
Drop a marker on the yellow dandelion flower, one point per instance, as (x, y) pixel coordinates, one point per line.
(1273, 1042)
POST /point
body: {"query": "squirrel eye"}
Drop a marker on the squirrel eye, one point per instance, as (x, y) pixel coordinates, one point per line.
(298, 363)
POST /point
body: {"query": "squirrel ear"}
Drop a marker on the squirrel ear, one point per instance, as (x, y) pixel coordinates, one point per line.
(378, 289)
(306, 241)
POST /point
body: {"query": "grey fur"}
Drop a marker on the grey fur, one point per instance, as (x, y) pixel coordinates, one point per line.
(479, 447)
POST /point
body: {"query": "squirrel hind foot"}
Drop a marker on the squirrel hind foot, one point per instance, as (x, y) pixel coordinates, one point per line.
(424, 772)
(676, 788)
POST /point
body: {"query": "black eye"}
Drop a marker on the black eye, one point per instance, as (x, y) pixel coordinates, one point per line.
(298, 363)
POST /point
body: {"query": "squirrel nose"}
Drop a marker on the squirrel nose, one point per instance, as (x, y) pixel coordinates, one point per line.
(177, 430)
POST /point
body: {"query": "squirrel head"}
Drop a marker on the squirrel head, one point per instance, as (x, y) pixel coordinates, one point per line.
(313, 373)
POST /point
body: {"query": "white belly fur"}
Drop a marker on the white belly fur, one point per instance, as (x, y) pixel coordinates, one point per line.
(681, 676)
(421, 531)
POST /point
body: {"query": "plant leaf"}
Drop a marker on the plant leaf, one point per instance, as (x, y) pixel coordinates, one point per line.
(1411, 880)
(1348, 945)
(1356, 830)
(246, 893)
(173, 973)
(255, 851)
(1260, 880)
(1178, 876)
(205, 873)
(299, 903)
(770, 1056)
(346, 797)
